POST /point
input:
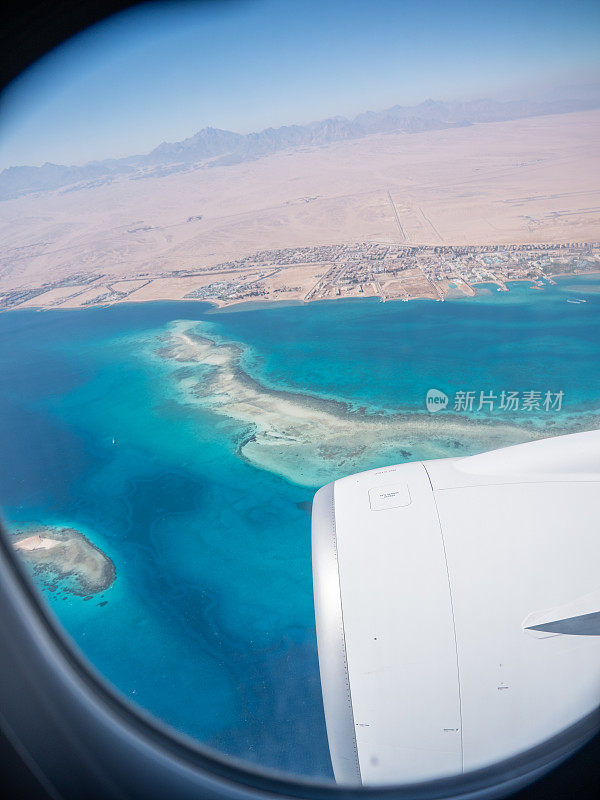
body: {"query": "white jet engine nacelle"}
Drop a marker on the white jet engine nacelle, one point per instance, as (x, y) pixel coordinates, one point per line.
(458, 609)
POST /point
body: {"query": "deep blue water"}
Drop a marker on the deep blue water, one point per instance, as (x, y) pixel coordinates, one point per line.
(210, 624)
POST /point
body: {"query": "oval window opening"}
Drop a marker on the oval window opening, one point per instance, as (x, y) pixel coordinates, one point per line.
(300, 380)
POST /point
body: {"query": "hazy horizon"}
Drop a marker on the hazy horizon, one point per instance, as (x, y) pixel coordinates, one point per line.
(191, 134)
(161, 72)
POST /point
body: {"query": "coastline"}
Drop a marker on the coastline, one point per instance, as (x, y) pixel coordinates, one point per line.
(296, 275)
(218, 305)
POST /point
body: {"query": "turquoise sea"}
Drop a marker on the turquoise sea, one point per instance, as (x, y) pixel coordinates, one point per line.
(209, 624)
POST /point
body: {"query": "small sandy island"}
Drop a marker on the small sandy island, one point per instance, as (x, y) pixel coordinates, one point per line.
(65, 555)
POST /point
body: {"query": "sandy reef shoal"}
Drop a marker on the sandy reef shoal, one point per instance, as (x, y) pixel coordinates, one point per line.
(35, 542)
(65, 555)
(310, 440)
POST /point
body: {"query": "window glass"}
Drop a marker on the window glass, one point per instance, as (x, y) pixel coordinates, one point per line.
(320, 271)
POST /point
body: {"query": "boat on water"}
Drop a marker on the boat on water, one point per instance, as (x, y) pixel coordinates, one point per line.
(577, 300)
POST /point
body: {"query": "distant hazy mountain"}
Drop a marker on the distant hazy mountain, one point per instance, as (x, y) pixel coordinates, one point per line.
(206, 144)
(218, 147)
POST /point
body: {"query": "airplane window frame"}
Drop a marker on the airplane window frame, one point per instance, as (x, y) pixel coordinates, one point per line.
(51, 696)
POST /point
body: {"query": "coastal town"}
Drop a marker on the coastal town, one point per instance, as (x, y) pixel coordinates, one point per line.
(305, 274)
(403, 272)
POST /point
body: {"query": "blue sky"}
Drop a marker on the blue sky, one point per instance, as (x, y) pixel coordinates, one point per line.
(164, 70)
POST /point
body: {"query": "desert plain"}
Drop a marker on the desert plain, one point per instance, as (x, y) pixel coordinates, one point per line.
(286, 226)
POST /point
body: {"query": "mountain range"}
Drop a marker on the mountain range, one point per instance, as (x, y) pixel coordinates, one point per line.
(215, 147)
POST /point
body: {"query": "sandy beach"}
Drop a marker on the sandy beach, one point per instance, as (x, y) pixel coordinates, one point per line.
(35, 542)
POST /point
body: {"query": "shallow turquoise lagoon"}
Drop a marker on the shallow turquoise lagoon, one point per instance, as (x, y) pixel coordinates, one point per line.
(209, 624)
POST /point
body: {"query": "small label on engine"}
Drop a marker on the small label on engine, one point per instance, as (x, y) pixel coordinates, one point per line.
(393, 495)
